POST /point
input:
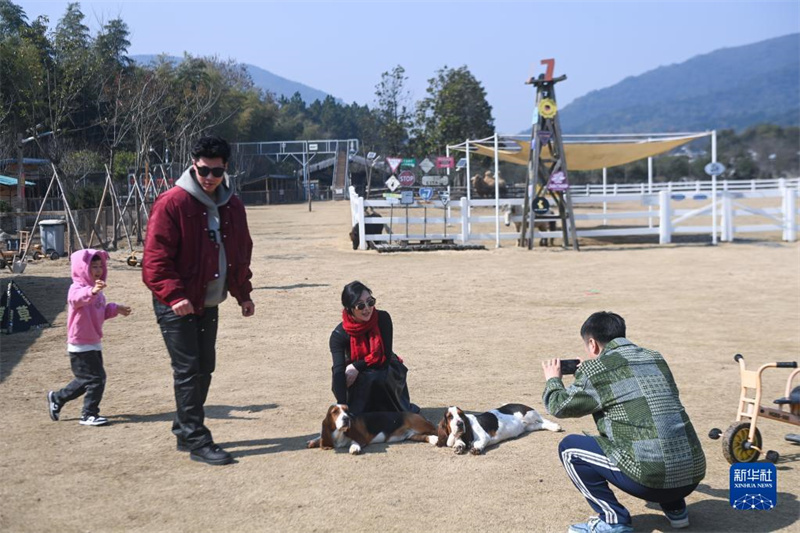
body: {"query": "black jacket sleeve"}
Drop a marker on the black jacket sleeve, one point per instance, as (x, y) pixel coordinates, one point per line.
(339, 345)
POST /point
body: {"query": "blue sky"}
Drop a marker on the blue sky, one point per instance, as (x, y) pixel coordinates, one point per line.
(343, 47)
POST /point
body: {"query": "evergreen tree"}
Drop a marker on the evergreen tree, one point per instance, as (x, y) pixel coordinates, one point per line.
(454, 110)
(392, 111)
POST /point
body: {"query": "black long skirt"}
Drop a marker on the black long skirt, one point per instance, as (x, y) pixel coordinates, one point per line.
(383, 389)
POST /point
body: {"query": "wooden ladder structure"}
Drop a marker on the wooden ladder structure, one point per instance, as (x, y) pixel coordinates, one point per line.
(340, 174)
(546, 132)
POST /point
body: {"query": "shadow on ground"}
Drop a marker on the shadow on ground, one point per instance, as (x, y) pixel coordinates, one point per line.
(212, 411)
(246, 448)
(716, 514)
(292, 287)
(49, 295)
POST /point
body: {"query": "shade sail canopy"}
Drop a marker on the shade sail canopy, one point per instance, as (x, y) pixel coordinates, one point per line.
(587, 155)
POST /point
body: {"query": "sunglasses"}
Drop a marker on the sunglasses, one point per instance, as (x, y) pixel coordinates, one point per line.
(217, 172)
(361, 305)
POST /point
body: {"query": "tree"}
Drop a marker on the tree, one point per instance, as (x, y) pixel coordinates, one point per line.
(111, 45)
(454, 110)
(392, 112)
(116, 73)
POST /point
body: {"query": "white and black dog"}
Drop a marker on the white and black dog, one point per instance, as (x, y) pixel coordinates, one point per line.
(475, 432)
(340, 429)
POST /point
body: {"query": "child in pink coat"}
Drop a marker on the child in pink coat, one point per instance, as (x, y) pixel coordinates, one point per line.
(87, 312)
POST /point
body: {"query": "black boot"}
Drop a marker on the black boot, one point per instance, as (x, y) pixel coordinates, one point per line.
(211, 454)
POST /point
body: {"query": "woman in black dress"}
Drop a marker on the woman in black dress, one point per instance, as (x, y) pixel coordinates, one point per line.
(367, 375)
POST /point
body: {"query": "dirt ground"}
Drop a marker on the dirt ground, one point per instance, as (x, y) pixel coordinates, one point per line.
(471, 326)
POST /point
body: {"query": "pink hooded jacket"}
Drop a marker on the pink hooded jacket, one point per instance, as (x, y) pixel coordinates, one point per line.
(87, 311)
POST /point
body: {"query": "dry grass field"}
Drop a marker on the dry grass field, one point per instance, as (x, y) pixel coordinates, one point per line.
(471, 326)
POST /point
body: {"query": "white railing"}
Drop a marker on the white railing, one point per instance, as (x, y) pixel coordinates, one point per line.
(682, 186)
(664, 216)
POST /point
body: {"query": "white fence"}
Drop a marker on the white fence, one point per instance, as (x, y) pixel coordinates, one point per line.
(465, 221)
(682, 186)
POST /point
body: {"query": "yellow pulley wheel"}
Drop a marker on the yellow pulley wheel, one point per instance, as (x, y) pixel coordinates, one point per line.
(547, 108)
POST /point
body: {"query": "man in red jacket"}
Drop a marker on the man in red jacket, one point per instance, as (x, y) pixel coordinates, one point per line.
(197, 250)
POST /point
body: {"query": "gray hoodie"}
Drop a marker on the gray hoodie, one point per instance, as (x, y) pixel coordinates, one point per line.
(217, 289)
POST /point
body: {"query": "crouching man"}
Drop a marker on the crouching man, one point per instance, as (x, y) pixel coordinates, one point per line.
(647, 446)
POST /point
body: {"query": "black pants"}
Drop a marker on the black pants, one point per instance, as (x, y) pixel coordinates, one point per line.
(190, 341)
(90, 378)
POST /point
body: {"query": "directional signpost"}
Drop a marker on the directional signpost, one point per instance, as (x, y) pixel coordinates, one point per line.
(441, 181)
(540, 205)
(714, 169)
(558, 182)
(426, 165)
(445, 162)
(393, 183)
(407, 178)
(444, 196)
(393, 163)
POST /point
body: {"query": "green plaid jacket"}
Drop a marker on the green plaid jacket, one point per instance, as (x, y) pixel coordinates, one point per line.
(643, 426)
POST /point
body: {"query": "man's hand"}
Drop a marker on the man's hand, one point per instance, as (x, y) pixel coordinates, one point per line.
(124, 310)
(183, 308)
(99, 285)
(350, 373)
(552, 368)
(248, 308)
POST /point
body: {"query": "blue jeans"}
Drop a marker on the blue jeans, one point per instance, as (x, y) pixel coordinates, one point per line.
(191, 343)
(591, 472)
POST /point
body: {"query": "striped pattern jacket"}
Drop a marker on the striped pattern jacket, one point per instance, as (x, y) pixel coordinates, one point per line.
(644, 429)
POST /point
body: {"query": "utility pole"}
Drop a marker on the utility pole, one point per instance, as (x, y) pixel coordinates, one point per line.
(20, 186)
(21, 172)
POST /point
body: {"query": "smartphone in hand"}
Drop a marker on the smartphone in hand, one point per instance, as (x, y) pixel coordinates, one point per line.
(569, 366)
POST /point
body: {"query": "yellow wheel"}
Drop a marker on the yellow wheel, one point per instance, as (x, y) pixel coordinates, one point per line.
(547, 108)
(735, 446)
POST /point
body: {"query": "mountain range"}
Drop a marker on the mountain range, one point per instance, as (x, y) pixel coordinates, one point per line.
(728, 88)
(264, 79)
(732, 88)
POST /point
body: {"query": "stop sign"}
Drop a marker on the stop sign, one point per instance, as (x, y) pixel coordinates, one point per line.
(406, 178)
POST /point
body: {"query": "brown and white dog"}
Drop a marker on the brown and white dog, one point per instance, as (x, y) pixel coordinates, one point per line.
(340, 429)
(475, 432)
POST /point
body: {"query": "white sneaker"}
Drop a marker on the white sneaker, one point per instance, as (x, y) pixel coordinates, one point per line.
(53, 407)
(93, 421)
(678, 519)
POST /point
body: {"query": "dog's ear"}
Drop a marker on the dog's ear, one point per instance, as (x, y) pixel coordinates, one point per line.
(326, 433)
(442, 432)
(325, 436)
(467, 436)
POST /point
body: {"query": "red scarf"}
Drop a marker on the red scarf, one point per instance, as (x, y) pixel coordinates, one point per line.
(365, 339)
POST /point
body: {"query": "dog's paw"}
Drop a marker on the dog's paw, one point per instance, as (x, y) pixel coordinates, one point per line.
(460, 449)
(475, 451)
(355, 449)
(433, 439)
(313, 443)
